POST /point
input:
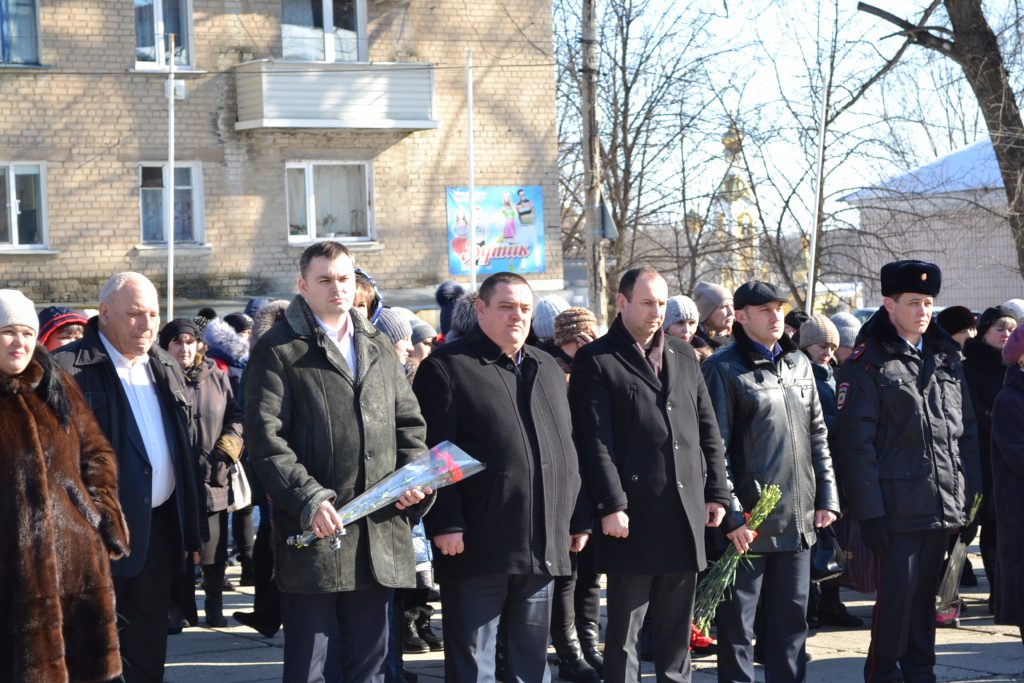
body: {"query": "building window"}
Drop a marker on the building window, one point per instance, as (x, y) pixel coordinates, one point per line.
(22, 206)
(323, 30)
(329, 200)
(188, 215)
(19, 32)
(154, 21)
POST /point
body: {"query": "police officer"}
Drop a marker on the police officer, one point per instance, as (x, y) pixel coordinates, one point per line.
(905, 439)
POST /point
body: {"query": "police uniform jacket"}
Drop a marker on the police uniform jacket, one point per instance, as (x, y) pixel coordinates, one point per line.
(906, 438)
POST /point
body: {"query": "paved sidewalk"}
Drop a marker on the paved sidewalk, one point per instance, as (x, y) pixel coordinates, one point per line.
(976, 652)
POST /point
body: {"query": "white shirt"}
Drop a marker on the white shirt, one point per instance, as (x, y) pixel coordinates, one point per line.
(137, 382)
(345, 341)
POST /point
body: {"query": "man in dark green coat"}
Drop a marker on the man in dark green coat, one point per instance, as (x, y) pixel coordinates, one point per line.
(329, 413)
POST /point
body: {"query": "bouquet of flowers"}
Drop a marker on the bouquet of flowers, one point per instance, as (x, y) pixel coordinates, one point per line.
(722, 574)
(441, 466)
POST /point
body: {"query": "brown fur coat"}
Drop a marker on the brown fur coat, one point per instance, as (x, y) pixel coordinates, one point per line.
(60, 524)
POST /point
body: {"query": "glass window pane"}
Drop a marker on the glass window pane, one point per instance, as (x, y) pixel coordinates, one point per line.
(152, 176)
(145, 31)
(346, 33)
(183, 177)
(302, 30)
(176, 22)
(152, 215)
(295, 179)
(184, 216)
(28, 192)
(20, 40)
(341, 207)
(5, 212)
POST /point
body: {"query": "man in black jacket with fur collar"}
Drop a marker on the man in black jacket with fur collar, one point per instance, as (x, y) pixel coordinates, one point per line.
(906, 443)
(504, 534)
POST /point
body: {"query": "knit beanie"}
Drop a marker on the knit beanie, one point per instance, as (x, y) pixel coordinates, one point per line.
(955, 319)
(52, 318)
(848, 326)
(201, 322)
(573, 322)
(17, 309)
(679, 308)
(1014, 348)
(446, 295)
(818, 329)
(393, 325)
(544, 314)
(174, 328)
(989, 317)
(422, 331)
(709, 297)
(239, 322)
(1016, 308)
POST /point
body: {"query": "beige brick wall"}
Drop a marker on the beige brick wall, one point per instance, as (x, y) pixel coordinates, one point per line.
(91, 120)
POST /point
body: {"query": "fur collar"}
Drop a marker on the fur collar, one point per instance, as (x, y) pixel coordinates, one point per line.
(979, 352)
(43, 377)
(879, 328)
(265, 316)
(222, 339)
(745, 346)
(302, 322)
(23, 383)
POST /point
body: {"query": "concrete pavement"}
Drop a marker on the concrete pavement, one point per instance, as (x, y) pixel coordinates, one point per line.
(977, 652)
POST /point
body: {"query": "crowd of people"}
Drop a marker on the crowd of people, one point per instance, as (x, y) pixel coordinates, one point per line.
(636, 453)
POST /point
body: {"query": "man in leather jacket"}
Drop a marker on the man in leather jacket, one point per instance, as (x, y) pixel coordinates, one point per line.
(763, 392)
(905, 438)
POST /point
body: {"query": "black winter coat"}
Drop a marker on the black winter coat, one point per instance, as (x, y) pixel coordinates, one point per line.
(515, 515)
(87, 361)
(906, 437)
(1008, 483)
(985, 373)
(217, 414)
(317, 434)
(770, 419)
(650, 447)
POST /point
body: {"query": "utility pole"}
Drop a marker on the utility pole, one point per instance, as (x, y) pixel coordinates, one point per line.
(596, 277)
(169, 179)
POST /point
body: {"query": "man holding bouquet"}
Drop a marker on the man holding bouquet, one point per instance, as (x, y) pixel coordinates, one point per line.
(329, 413)
(764, 396)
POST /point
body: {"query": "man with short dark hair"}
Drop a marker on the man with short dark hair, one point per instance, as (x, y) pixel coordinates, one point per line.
(329, 413)
(654, 470)
(770, 418)
(905, 438)
(504, 534)
(139, 398)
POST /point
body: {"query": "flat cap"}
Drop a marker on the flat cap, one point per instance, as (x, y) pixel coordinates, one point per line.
(756, 293)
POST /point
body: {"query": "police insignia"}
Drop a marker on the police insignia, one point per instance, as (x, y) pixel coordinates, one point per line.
(858, 351)
(842, 391)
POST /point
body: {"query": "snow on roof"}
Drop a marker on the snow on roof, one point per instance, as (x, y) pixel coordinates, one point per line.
(973, 167)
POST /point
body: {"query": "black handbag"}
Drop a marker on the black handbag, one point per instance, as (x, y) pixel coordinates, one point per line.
(827, 558)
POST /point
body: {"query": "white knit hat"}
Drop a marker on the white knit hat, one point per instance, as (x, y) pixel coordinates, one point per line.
(1016, 307)
(17, 309)
(544, 313)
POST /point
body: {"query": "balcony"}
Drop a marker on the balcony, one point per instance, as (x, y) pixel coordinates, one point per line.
(285, 94)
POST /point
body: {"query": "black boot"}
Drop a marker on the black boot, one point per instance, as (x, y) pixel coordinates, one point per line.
(590, 643)
(214, 605)
(433, 641)
(250, 620)
(411, 642)
(571, 664)
(248, 575)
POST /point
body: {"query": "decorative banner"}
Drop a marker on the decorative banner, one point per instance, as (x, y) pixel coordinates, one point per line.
(509, 229)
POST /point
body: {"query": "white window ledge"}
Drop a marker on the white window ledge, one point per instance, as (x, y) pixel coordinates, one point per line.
(24, 67)
(363, 246)
(27, 251)
(162, 248)
(162, 71)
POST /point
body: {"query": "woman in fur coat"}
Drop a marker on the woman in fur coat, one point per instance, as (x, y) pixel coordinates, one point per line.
(60, 520)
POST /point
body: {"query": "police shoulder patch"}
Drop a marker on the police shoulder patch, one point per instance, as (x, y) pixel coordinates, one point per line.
(858, 351)
(842, 392)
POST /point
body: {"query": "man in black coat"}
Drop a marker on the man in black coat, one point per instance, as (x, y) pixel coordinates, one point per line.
(655, 474)
(139, 398)
(906, 446)
(770, 418)
(503, 534)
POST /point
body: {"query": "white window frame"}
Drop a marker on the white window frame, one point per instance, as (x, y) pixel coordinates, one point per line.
(199, 224)
(310, 236)
(13, 209)
(39, 43)
(362, 33)
(161, 39)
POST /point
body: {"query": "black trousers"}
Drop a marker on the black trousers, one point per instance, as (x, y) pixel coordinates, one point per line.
(670, 600)
(784, 579)
(576, 599)
(471, 609)
(903, 625)
(361, 617)
(242, 531)
(144, 599)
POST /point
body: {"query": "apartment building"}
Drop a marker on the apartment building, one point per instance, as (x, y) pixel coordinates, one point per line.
(299, 120)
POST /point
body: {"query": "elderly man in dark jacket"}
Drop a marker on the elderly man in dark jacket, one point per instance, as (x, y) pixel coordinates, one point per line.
(328, 412)
(504, 534)
(770, 418)
(905, 437)
(139, 398)
(655, 475)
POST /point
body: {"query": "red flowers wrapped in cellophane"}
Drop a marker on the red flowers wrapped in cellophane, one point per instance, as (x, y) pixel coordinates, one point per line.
(442, 465)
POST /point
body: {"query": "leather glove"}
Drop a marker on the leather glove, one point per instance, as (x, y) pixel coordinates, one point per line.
(228, 448)
(875, 533)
